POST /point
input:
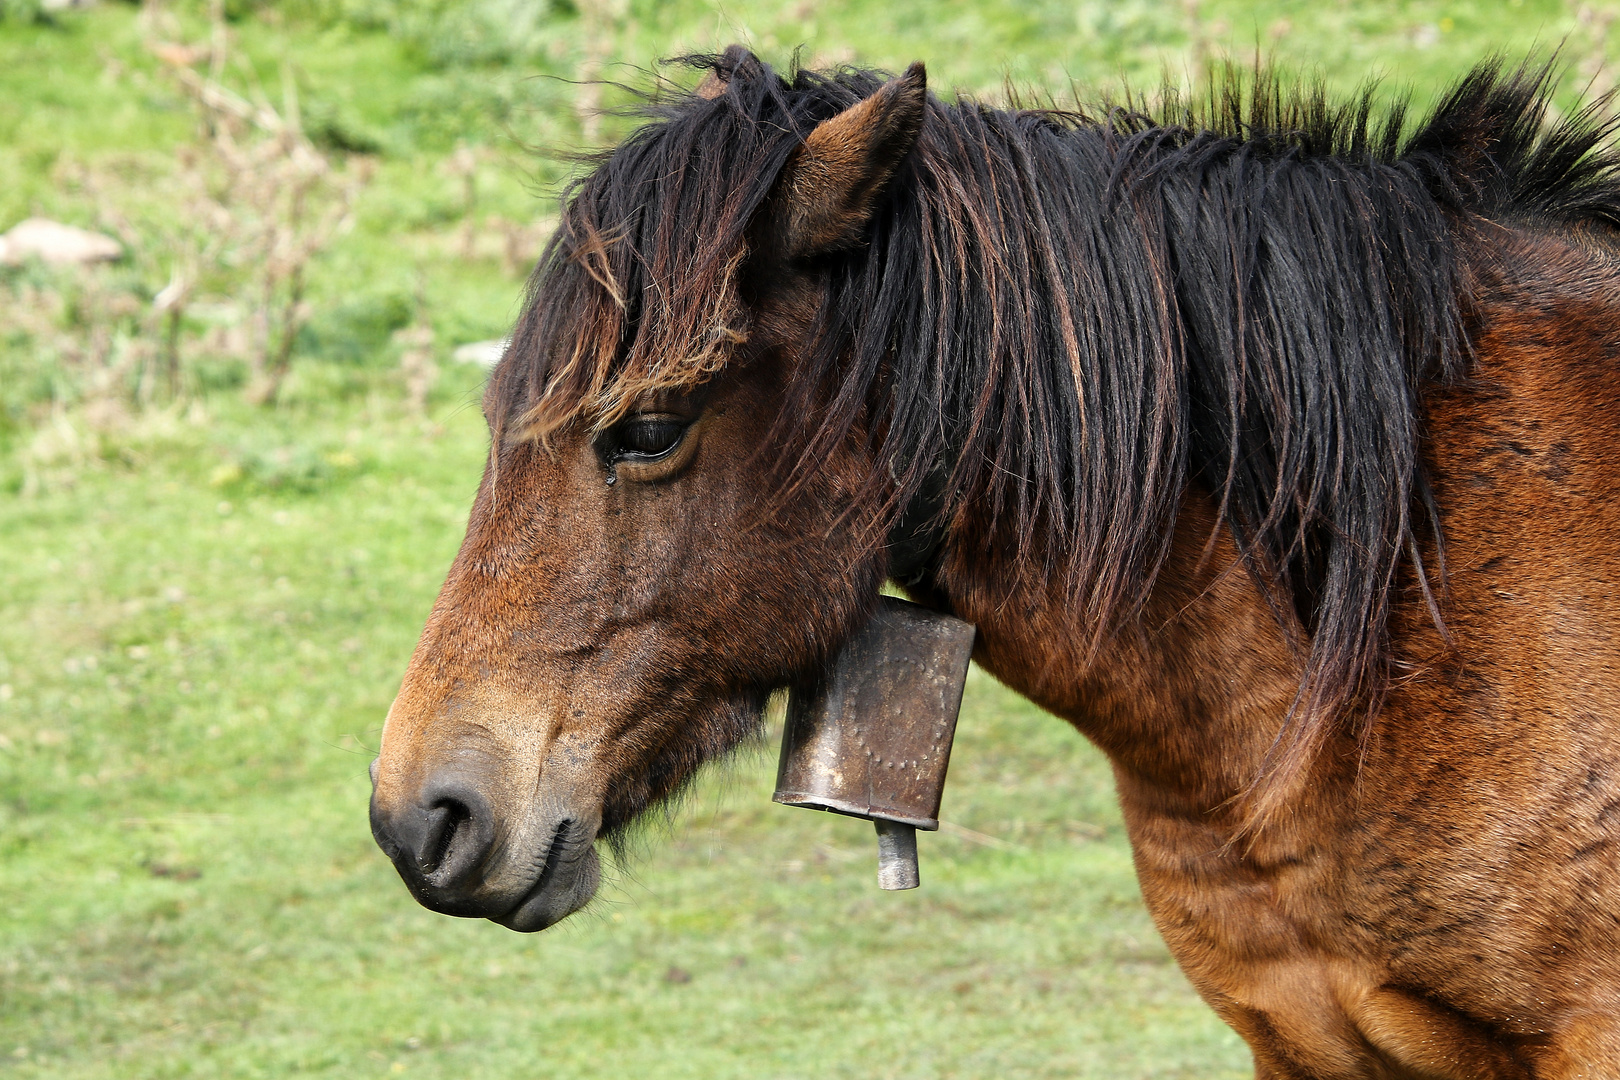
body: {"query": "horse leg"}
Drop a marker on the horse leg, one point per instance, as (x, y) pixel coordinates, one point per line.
(1586, 1047)
(1430, 1040)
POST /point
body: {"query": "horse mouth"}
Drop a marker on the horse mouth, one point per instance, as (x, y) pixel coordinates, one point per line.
(569, 875)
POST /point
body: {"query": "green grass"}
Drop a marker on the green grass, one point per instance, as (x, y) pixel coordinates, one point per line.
(202, 624)
(196, 676)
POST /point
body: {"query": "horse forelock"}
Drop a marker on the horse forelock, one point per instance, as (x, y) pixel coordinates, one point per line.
(637, 291)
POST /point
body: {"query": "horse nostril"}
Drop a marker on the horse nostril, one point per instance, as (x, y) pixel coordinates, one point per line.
(452, 832)
(441, 839)
(444, 821)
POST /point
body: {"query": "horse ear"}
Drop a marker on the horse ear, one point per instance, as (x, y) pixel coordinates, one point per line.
(734, 61)
(712, 85)
(832, 184)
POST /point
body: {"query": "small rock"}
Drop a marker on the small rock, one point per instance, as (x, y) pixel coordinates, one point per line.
(54, 242)
(485, 354)
(179, 55)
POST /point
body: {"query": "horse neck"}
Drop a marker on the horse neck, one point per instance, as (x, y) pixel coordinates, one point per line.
(1185, 698)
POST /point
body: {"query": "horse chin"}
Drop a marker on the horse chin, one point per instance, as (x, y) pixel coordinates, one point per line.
(567, 883)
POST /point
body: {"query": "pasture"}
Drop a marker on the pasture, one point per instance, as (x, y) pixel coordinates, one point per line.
(206, 606)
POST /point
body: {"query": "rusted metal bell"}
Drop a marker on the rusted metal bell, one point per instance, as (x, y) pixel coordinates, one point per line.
(873, 740)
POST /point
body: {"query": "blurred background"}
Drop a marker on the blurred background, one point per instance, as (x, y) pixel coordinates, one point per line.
(257, 257)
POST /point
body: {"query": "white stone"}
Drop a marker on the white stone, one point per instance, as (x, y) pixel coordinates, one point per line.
(54, 242)
(485, 354)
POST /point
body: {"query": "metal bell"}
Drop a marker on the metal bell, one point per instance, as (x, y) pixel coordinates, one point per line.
(873, 739)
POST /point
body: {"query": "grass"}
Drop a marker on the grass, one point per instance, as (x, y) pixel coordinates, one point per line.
(201, 627)
(195, 676)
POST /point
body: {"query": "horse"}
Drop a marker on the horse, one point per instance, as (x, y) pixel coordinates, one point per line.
(1268, 438)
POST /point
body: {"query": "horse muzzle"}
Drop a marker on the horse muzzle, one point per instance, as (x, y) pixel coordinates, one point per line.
(458, 857)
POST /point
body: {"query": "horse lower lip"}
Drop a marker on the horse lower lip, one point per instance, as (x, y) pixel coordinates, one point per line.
(528, 906)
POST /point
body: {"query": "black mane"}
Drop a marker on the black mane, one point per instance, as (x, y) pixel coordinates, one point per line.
(1080, 314)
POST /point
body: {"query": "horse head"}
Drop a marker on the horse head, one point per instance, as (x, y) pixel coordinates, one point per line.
(640, 570)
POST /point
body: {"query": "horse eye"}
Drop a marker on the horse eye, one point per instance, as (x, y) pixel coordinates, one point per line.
(648, 436)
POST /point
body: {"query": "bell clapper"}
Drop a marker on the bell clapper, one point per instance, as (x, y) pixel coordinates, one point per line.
(897, 855)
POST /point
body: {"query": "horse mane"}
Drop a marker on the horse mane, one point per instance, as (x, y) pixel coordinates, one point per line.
(1065, 317)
